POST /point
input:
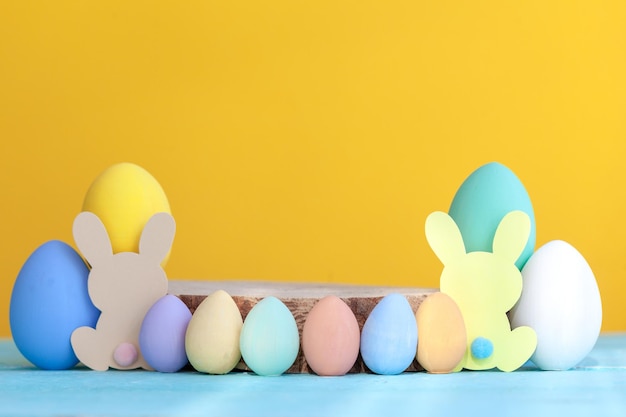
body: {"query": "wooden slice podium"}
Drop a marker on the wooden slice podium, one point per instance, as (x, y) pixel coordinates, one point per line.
(299, 298)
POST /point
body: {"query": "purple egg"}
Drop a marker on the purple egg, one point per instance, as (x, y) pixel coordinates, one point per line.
(162, 334)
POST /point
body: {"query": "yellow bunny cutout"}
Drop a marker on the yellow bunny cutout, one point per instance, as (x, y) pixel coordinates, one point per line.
(485, 286)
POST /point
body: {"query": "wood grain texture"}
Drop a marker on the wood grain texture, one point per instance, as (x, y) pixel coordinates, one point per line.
(300, 299)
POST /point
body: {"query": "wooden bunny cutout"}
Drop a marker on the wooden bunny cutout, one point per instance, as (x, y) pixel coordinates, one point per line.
(123, 287)
(485, 287)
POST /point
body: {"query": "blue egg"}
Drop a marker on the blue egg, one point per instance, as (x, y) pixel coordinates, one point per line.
(162, 334)
(269, 339)
(389, 336)
(49, 301)
(483, 199)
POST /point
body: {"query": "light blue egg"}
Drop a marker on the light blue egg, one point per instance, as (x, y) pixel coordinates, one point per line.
(269, 340)
(389, 336)
(49, 301)
(484, 198)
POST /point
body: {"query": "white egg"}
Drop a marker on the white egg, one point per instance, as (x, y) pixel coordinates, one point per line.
(561, 302)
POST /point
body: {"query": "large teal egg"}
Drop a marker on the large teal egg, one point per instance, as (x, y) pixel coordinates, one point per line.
(49, 301)
(484, 198)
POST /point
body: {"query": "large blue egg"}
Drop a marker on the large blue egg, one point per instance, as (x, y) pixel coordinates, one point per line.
(49, 301)
(484, 198)
(389, 336)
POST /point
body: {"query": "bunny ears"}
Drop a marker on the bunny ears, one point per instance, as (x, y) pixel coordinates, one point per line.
(444, 236)
(93, 241)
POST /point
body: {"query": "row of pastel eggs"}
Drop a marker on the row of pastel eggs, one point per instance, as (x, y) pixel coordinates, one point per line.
(215, 337)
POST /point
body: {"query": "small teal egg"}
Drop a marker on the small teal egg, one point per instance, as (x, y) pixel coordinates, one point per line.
(162, 334)
(49, 301)
(269, 340)
(484, 198)
(389, 336)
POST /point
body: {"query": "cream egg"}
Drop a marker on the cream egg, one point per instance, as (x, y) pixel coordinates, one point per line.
(212, 338)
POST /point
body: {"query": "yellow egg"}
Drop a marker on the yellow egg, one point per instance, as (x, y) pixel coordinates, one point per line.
(212, 339)
(124, 197)
(442, 339)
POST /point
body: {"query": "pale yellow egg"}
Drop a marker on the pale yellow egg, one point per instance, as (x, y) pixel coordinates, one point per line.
(212, 339)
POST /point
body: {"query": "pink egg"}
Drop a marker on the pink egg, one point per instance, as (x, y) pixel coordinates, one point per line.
(330, 337)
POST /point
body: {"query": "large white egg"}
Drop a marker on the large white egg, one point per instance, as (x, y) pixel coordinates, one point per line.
(561, 302)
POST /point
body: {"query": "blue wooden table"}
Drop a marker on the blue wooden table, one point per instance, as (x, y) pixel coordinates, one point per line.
(597, 387)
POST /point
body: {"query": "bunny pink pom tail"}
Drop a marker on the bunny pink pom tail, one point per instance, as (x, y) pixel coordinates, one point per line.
(125, 354)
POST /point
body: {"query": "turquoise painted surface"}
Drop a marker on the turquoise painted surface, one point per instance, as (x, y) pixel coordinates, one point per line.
(597, 387)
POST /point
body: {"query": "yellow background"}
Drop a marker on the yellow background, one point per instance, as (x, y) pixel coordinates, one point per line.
(309, 140)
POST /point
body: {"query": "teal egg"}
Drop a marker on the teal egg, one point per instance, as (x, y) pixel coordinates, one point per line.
(484, 198)
(389, 336)
(269, 340)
